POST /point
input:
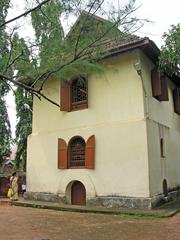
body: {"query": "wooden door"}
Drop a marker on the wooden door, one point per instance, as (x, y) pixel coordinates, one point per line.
(78, 194)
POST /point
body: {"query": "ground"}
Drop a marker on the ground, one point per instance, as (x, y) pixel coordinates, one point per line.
(41, 224)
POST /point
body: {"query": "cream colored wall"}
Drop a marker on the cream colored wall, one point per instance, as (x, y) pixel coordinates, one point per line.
(161, 114)
(120, 165)
(115, 116)
(114, 96)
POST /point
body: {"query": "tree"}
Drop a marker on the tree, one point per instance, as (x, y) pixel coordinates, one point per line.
(23, 101)
(30, 65)
(170, 52)
(5, 132)
(24, 125)
(54, 54)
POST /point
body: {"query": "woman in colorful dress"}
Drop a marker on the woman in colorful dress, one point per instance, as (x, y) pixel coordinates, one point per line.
(14, 186)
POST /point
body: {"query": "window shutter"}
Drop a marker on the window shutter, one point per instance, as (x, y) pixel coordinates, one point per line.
(176, 99)
(156, 83)
(164, 87)
(62, 154)
(65, 96)
(90, 152)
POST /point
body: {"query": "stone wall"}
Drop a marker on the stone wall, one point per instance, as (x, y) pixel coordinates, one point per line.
(110, 201)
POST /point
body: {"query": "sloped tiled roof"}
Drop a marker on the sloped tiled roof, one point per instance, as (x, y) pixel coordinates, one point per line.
(111, 46)
(117, 42)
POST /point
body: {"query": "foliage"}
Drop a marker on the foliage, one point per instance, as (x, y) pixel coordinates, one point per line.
(5, 132)
(23, 100)
(24, 125)
(29, 65)
(49, 32)
(170, 51)
(56, 54)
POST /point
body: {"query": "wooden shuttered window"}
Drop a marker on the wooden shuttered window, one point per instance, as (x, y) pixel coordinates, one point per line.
(176, 99)
(90, 152)
(164, 87)
(65, 96)
(156, 82)
(159, 85)
(62, 154)
(79, 93)
(74, 94)
(76, 152)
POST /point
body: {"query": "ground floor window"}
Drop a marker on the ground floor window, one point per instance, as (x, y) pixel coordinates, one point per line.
(77, 152)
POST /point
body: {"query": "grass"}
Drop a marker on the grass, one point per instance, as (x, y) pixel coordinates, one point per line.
(143, 216)
(121, 214)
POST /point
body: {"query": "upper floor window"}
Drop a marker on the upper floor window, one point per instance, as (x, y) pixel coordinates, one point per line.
(159, 85)
(78, 92)
(176, 99)
(74, 94)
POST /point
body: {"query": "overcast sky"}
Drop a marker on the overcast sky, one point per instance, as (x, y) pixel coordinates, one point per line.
(163, 13)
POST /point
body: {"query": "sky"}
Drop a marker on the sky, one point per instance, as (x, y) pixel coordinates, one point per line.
(162, 13)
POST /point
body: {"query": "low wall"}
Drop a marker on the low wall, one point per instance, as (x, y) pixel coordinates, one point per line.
(109, 201)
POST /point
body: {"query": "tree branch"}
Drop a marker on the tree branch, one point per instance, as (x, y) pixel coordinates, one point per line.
(29, 89)
(25, 13)
(83, 24)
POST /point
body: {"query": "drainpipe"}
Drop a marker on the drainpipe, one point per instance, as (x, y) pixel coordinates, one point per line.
(138, 69)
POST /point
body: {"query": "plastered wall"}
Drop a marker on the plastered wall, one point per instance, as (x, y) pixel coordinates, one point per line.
(115, 116)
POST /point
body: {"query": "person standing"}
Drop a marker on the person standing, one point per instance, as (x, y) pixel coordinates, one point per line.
(14, 186)
(23, 187)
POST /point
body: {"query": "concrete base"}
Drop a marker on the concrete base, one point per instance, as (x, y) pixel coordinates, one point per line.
(121, 201)
(41, 196)
(110, 201)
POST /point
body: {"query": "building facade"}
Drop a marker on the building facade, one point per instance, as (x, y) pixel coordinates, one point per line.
(115, 140)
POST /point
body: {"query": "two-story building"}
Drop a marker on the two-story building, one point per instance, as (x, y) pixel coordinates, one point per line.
(116, 139)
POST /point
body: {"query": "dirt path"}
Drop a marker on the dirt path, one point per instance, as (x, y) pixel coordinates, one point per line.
(18, 223)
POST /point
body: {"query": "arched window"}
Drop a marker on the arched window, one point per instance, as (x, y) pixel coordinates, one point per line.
(77, 152)
(74, 94)
(79, 93)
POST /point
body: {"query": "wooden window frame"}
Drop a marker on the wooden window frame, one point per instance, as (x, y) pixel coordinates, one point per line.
(176, 100)
(70, 162)
(79, 104)
(64, 153)
(159, 85)
(66, 97)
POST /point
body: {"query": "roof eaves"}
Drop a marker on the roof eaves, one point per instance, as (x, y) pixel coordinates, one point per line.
(131, 45)
(147, 46)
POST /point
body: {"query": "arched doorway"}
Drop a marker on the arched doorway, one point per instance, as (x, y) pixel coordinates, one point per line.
(78, 194)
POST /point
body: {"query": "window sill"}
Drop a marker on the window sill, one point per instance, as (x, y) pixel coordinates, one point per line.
(78, 167)
(79, 106)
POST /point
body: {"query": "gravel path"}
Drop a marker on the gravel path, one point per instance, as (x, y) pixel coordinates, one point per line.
(18, 223)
